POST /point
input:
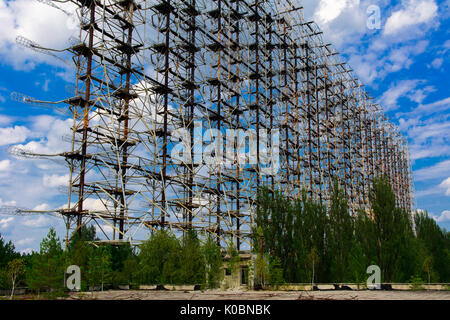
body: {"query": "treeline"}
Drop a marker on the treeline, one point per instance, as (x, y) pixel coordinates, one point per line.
(162, 259)
(303, 241)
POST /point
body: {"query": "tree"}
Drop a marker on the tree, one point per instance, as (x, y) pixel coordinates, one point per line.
(275, 272)
(192, 268)
(14, 269)
(340, 235)
(428, 267)
(262, 270)
(313, 260)
(47, 267)
(98, 267)
(436, 242)
(392, 231)
(213, 263)
(159, 259)
(7, 252)
(130, 269)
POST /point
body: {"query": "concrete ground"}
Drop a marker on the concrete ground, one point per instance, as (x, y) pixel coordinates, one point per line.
(261, 295)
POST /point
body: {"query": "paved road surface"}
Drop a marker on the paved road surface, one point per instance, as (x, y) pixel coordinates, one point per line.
(262, 295)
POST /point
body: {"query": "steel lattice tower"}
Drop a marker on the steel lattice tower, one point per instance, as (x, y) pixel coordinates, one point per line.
(146, 69)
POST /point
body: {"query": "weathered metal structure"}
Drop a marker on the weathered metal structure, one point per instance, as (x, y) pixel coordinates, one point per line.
(146, 69)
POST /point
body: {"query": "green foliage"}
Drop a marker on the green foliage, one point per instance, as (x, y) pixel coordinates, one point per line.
(192, 264)
(289, 231)
(437, 246)
(340, 237)
(46, 271)
(416, 283)
(98, 271)
(275, 272)
(302, 233)
(233, 262)
(262, 269)
(312, 260)
(129, 274)
(392, 231)
(7, 252)
(213, 263)
(14, 270)
(164, 259)
(159, 259)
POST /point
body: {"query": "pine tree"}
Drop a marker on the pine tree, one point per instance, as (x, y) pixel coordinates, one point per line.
(7, 252)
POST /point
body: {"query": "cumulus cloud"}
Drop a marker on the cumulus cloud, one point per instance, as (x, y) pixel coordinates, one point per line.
(42, 207)
(11, 135)
(38, 222)
(412, 13)
(55, 180)
(329, 10)
(445, 216)
(5, 222)
(35, 21)
(446, 186)
(106, 229)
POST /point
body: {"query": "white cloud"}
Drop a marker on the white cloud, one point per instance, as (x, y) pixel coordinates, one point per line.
(446, 186)
(397, 56)
(433, 172)
(5, 165)
(95, 204)
(437, 63)
(42, 207)
(414, 12)
(329, 10)
(7, 203)
(26, 251)
(382, 58)
(390, 98)
(38, 222)
(48, 133)
(445, 216)
(35, 21)
(106, 229)
(55, 180)
(13, 135)
(24, 241)
(5, 222)
(5, 120)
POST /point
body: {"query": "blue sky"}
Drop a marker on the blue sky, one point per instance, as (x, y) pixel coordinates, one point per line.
(404, 65)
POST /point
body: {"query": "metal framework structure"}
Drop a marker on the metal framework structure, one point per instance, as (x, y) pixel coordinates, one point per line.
(145, 69)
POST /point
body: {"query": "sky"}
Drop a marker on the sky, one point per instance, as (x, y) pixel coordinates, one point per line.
(404, 64)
